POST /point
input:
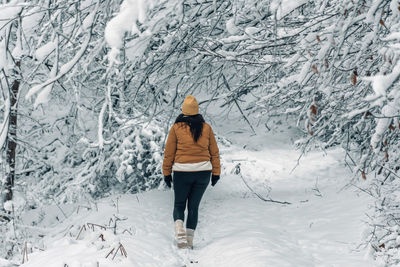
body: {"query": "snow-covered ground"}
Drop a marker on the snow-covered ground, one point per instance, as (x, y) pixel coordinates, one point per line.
(322, 227)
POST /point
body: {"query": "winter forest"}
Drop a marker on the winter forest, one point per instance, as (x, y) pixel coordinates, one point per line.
(303, 96)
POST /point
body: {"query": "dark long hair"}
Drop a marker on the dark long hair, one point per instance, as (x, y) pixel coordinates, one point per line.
(195, 122)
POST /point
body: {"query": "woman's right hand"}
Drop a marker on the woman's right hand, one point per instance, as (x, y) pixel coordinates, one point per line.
(168, 180)
(214, 179)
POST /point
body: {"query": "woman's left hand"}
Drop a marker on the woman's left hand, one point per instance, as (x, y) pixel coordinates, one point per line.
(168, 180)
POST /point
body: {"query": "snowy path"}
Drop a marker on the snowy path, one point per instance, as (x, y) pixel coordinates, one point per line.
(320, 228)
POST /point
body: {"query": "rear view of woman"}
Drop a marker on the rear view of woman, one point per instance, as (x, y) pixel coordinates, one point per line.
(191, 155)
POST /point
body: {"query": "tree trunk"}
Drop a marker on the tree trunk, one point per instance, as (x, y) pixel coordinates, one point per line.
(12, 137)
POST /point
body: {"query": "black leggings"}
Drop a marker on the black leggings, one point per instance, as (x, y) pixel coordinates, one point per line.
(189, 187)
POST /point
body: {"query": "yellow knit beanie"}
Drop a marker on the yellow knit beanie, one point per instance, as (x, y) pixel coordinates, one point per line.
(190, 106)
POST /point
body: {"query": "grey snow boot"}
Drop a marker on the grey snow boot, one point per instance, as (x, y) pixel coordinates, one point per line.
(189, 237)
(180, 234)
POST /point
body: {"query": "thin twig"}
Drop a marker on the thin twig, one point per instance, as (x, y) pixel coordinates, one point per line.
(235, 100)
(255, 193)
(110, 253)
(82, 228)
(389, 170)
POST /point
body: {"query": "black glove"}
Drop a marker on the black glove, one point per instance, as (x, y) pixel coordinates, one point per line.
(168, 180)
(214, 179)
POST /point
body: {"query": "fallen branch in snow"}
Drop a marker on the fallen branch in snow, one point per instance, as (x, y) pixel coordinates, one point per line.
(92, 225)
(237, 171)
(262, 198)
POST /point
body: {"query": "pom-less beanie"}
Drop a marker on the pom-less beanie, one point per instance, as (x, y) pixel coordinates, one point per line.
(190, 106)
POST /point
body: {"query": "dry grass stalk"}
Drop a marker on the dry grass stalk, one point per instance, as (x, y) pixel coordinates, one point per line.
(102, 237)
(120, 248)
(110, 253)
(82, 228)
(25, 253)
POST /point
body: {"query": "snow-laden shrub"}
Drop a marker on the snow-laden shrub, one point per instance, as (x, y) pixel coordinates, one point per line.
(140, 156)
(13, 235)
(130, 161)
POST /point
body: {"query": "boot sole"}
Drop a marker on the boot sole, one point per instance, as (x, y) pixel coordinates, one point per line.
(182, 245)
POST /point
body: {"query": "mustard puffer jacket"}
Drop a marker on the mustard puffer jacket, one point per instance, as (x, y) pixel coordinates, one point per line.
(182, 148)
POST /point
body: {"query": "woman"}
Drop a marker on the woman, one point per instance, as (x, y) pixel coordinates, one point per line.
(192, 154)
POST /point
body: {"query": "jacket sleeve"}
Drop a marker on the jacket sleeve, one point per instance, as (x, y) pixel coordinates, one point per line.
(214, 152)
(169, 152)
